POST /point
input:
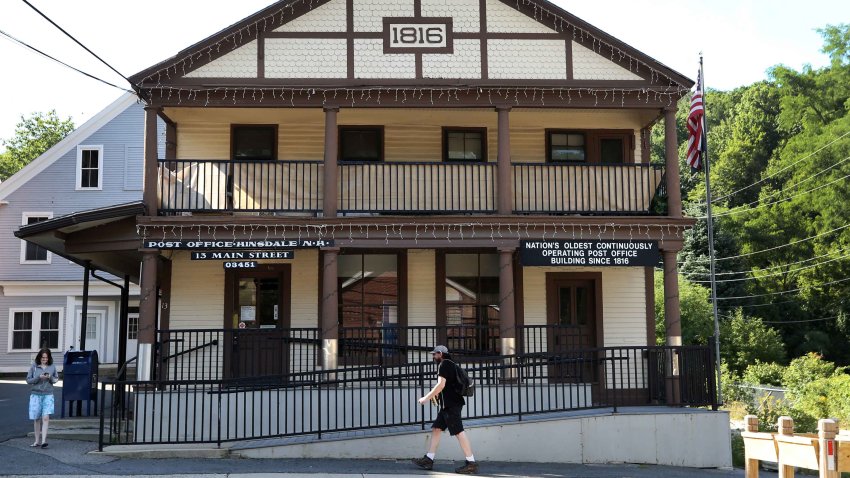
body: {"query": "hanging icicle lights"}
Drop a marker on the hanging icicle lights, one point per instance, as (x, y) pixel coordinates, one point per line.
(496, 232)
(665, 90)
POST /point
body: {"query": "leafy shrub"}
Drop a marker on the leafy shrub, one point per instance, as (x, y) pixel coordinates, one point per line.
(826, 398)
(770, 409)
(803, 370)
(761, 373)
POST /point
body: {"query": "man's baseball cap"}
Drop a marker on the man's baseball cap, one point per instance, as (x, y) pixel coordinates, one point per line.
(441, 349)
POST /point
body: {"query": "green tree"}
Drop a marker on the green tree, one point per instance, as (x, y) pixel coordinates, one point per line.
(33, 136)
(745, 340)
(696, 312)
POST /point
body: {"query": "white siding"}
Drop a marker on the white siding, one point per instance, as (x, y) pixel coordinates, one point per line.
(464, 13)
(306, 58)
(197, 293)
(502, 18)
(527, 59)
(623, 302)
(305, 289)
(465, 62)
(330, 17)
(421, 287)
(589, 65)
(239, 63)
(370, 61)
(369, 14)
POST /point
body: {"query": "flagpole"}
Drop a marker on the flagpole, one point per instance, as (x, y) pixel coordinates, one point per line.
(710, 220)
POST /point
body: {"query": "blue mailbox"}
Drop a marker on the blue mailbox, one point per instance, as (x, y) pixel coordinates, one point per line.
(80, 379)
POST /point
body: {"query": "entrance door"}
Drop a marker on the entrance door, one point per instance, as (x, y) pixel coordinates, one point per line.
(257, 314)
(573, 326)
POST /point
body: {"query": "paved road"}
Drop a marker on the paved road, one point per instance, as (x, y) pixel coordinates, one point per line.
(14, 399)
(71, 459)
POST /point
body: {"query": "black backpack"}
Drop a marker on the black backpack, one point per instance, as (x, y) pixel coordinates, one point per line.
(466, 387)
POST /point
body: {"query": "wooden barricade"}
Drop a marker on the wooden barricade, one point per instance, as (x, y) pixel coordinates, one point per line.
(822, 452)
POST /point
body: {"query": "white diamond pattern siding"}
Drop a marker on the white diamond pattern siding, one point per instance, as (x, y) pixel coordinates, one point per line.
(330, 17)
(370, 61)
(306, 58)
(588, 65)
(464, 63)
(527, 59)
(502, 18)
(239, 63)
(369, 14)
(464, 13)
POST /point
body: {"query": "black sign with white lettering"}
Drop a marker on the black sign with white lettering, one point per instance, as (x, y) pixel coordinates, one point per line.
(240, 265)
(240, 255)
(590, 253)
(265, 244)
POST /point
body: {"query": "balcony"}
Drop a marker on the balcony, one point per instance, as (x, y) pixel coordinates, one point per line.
(406, 188)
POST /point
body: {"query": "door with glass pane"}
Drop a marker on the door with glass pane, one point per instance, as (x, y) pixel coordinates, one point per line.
(257, 316)
(572, 327)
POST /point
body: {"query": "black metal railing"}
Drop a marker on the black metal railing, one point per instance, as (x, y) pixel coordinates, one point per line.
(417, 187)
(217, 354)
(358, 398)
(425, 187)
(546, 188)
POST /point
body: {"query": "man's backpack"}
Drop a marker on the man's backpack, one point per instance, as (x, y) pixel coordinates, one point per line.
(466, 386)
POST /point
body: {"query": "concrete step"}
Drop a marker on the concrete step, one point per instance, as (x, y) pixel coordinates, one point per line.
(79, 435)
(165, 451)
(75, 423)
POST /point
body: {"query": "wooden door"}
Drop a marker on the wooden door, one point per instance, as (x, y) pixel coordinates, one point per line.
(573, 327)
(257, 316)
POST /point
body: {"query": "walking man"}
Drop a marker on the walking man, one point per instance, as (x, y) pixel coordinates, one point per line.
(447, 392)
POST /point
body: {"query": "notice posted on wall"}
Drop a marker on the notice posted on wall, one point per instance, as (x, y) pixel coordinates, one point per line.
(625, 253)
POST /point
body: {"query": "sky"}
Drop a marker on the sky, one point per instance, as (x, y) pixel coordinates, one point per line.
(740, 40)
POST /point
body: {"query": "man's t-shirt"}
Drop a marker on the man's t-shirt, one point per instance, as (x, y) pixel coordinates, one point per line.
(450, 396)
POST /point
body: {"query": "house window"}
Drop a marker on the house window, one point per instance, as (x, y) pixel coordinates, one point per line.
(32, 253)
(464, 144)
(472, 302)
(33, 329)
(361, 143)
(89, 167)
(592, 146)
(567, 146)
(133, 327)
(254, 142)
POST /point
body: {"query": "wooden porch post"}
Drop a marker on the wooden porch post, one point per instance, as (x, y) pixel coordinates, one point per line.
(504, 172)
(671, 150)
(329, 198)
(330, 309)
(507, 307)
(149, 196)
(672, 312)
(147, 314)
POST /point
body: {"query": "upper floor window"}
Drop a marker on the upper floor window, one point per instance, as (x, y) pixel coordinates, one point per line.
(89, 167)
(361, 143)
(32, 253)
(254, 142)
(464, 144)
(593, 146)
(34, 329)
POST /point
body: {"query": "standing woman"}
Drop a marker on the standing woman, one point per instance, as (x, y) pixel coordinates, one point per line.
(42, 376)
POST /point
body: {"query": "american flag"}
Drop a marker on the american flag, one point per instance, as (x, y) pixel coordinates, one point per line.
(696, 127)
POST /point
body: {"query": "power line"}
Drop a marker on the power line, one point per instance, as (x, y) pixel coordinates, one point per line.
(777, 247)
(749, 271)
(24, 44)
(731, 307)
(79, 43)
(824, 319)
(783, 292)
(745, 207)
(776, 273)
(715, 200)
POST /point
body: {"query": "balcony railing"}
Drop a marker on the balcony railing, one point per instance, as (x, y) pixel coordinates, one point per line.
(407, 187)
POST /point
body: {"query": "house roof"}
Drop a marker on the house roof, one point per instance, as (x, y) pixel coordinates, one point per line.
(247, 30)
(66, 145)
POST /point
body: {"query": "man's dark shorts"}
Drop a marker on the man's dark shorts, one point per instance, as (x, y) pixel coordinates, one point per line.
(449, 419)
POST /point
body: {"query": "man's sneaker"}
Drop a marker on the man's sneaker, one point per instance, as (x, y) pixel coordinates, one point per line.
(425, 463)
(469, 468)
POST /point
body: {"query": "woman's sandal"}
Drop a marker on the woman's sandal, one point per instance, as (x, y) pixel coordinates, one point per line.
(35, 445)
(44, 445)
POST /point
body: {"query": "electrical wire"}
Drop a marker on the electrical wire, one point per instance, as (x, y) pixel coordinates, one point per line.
(24, 44)
(777, 247)
(763, 269)
(80, 44)
(715, 200)
(773, 274)
(783, 292)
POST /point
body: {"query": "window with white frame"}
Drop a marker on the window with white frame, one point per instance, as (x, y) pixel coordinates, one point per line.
(133, 327)
(34, 329)
(32, 253)
(89, 167)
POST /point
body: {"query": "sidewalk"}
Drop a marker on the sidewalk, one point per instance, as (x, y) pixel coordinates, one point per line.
(72, 459)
